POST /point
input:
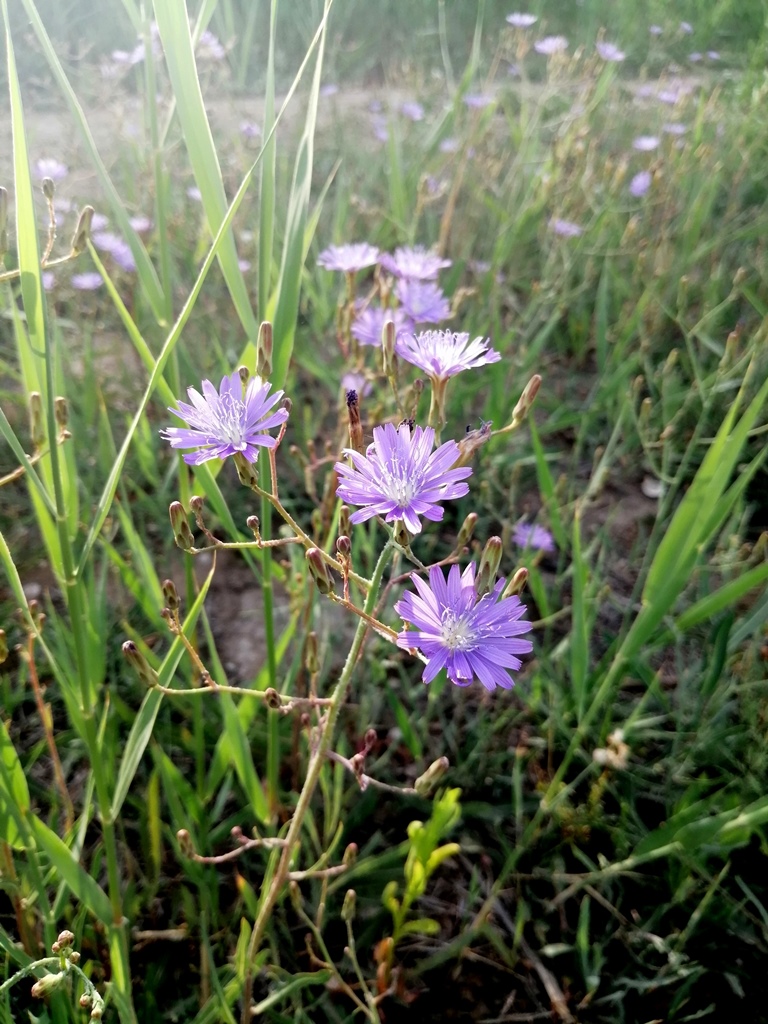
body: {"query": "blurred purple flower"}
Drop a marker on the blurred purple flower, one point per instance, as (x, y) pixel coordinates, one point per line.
(356, 382)
(380, 128)
(414, 262)
(443, 354)
(565, 228)
(423, 301)
(140, 224)
(465, 634)
(686, 28)
(348, 258)
(400, 477)
(449, 145)
(550, 45)
(209, 47)
(656, 30)
(645, 143)
(519, 20)
(195, 194)
(478, 100)
(224, 422)
(250, 130)
(526, 535)
(117, 248)
(674, 128)
(48, 279)
(610, 52)
(88, 281)
(368, 325)
(694, 58)
(244, 265)
(713, 55)
(640, 184)
(412, 110)
(99, 222)
(329, 89)
(50, 167)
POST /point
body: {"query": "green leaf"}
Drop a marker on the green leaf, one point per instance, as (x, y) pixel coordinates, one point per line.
(297, 982)
(14, 793)
(83, 887)
(420, 926)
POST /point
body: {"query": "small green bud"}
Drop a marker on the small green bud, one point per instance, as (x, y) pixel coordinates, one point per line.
(401, 535)
(140, 664)
(245, 373)
(170, 595)
(36, 419)
(311, 659)
(349, 906)
(264, 350)
(196, 504)
(517, 584)
(466, 531)
(82, 231)
(61, 411)
(85, 1000)
(427, 782)
(97, 1013)
(48, 188)
(350, 855)
(180, 526)
(489, 566)
(47, 984)
(527, 399)
(319, 570)
(247, 473)
(74, 957)
(344, 524)
(388, 347)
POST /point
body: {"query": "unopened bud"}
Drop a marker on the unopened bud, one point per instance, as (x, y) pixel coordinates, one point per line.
(180, 526)
(82, 231)
(74, 957)
(244, 373)
(527, 399)
(254, 525)
(184, 840)
(97, 1013)
(388, 346)
(47, 984)
(489, 566)
(48, 188)
(343, 545)
(170, 595)
(350, 855)
(196, 504)
(61, 411)
(355, 424)
(345, 526)
(272, 698)
(85, 1000)
(3, 646)
(400, 534)
(349, 906)
(247, 473)
(466, 531)
(517, 584)
(140, 664)
(65, 938)
(427, 782)
(311, 659)
(264, 350)
(36, 419)
(319, 570)
(294, 891)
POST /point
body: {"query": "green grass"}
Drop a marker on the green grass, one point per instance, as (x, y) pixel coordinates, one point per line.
(612, 807)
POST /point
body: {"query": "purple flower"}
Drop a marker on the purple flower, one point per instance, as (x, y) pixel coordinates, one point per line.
(527, 536)
(224, 422)
(519, 20)
(329, 89)
(380, 127)
(209, 47)
(99, 222)
(48, 279)
(674, 128)
(449, 145)
(645, 143)
(348, 258)
(250, 130)
(550, 45)
(244, 265)
(423, 301)
(610, 52)
(88, 281)
(686, 28)
(565, 228)
(415, 263)
(368, 325)
(50, 167)
(356, 382)
(117, 248)
(400, 477)
(713, 55)
(655, 30)
(694, 58)
(140, 224)
(412, 110)
(443, 354)
(674, 94)
(478, 100)
(640, 184)
(195, 194)
(465, 634)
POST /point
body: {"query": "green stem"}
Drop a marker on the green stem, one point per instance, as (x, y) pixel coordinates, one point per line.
(316, 763)
(267, 590)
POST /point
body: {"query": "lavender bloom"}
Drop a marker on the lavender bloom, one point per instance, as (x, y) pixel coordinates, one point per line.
(423, 301)
(610, 52)
(141, 224)
(655, 30)
(449, 145)
(400, 477)
(674, 128)
(713, 55)
(640, 184)
(88, 281)
(443, 354)
(694, 58)
(48, 279)
(550, 45)
(368, 325)
(117, 248)
(225, 422)
(209, 47)
(465, 634)
(380, 128)
(99, 222)
(412, 110)
(686, 28)
(672, 95)
(195, 194)
(565, 228)
(356, 382)
(645, 143)
(50, 167)
(329, 89)
(478, 100)
(250, 130)
(348, 258)
(519, 20)
(416, 263)
(527, 536)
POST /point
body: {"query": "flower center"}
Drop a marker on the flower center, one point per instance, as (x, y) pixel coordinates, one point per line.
(401, 485)
(229, 418)
(456, 631)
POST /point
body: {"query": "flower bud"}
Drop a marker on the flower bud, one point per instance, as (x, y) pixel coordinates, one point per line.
(466, 531)
(264, 350)
(36, 419)
(247, 473)
(527, 399)
(272, 698)
(47, 984)
(254, 525)
(74, 957)
(140, 664)
(350, 855)
(349, 906)
(181, 531)
(400, 534)
(244, 373)
(3, 646)
(48, 188)
(61, 411)
(82, 231)
(345, 526)
(311, 660)
(319, 570)
(196, 503)
(184, 840)
(388, 347)
(427, 782)
(65, 938)
(343, 545)
(517, 584)
(170, 595)
(85, 1000)
(489, 566)
(355, 424)
(97, 1013)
